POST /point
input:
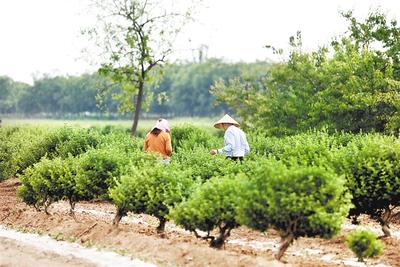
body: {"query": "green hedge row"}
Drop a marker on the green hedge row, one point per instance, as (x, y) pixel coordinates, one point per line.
(300, 185)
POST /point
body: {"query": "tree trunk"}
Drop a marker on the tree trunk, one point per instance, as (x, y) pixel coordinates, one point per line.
(219, 241)
(286, 241)
(47, 204)
(386, 231)
(72, 209)
(384, 221)
(118, 217)
(138, 107)
(161, 226)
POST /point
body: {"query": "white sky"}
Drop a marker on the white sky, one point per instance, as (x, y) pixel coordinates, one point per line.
(43, 36)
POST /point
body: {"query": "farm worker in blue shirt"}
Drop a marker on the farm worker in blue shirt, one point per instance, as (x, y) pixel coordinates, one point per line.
(235, 142)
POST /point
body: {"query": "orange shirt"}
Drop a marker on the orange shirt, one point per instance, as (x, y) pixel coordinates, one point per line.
(160, 143)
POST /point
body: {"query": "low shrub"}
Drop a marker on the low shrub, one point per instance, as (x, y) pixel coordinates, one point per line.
(46, 182)
(297, 201)
(188, 137)
(211, 206)
(151, 189)
(202, 164)
(96, 170)
(122, 141)
(364, 244)
(371, 166)
(75, 141)
(51, 143)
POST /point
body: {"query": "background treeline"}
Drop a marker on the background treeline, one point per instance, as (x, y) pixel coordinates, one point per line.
(351, 85)
(183, 90)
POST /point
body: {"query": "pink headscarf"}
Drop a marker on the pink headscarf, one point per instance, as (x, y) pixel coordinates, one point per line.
(162, 124)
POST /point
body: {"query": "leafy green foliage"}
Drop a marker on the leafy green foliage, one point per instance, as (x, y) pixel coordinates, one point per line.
(96, 169)
(201, 163)
(211, 206)
(122, 141)
(55, 95)
(371, 166)
(52, 143)
(19, 143)
(45, 182)
(297, 201)
(351, 85)
(75, 141)
(7, 150)
(364, 244)
(152, 189)
(185, 86)
(189, 137)
(10, 93)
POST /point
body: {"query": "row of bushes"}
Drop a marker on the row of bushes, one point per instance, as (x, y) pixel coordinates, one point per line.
(299, 185)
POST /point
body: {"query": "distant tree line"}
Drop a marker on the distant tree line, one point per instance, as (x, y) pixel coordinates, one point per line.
(182, 90)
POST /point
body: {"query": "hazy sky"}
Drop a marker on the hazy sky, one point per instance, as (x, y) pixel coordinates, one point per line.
(43, 36)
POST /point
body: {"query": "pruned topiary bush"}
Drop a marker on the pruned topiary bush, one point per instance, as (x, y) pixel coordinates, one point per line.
(122, 141)
(371, 165)
(16, 142)
(364, 244)
(151, 189)
(297, 201)
(75, 141)
(211, 206)
(46, 182)
(96, 171)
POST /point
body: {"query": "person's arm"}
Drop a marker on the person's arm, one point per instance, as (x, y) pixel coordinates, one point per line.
(168, 145)
(246, 146)
(229, 141)
(145, 143)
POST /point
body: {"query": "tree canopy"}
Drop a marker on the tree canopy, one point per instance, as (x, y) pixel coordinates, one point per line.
(351, 85)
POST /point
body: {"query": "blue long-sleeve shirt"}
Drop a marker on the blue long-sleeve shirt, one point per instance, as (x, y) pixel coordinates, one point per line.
(235, 142)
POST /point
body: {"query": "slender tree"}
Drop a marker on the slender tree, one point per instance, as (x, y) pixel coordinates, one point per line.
(135, 38)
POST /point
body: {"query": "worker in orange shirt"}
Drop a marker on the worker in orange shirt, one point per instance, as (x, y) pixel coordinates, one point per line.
(158, 140)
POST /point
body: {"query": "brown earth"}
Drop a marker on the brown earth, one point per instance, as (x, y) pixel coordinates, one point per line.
(136, 236)
(15, 254)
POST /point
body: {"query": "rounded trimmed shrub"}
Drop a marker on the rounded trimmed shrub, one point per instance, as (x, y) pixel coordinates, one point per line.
(297, 201)
(211, 206)
(371, 166)
(364, 244)
(152, 189)
(46, 182)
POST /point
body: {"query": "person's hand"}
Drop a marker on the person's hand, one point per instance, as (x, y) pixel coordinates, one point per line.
(214, 152)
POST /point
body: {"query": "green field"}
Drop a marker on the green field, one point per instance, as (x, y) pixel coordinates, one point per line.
(144, 124)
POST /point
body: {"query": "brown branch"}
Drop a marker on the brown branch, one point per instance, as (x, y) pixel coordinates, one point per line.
(5, 217)
(208, 236)
(87, 230)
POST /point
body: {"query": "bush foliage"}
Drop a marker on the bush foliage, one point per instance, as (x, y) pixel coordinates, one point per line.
(297, 201)
(211, 206)
(364, 244)
(371, 165)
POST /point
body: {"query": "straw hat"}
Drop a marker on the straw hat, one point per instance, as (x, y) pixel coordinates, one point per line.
(162, 124)
(225, 119)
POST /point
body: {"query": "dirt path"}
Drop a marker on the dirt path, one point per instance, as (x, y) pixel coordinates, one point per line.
(42, 249)
(137, 235)
(13, 253)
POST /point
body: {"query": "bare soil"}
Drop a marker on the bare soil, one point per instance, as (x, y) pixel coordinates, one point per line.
(14, 253)
(137, 236)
